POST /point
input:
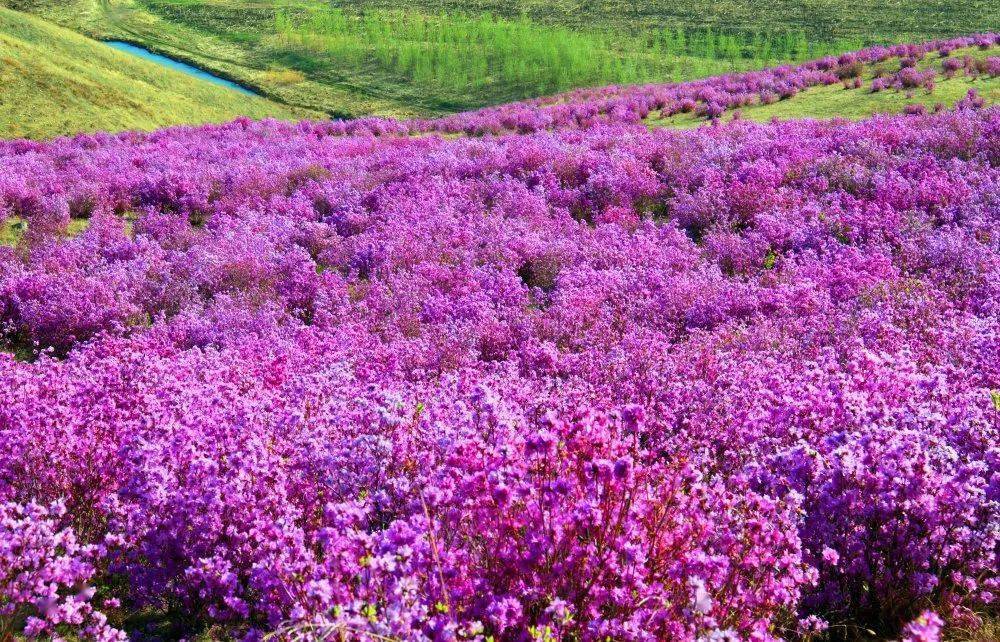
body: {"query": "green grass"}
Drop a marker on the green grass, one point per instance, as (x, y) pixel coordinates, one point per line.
(403, 60)
(410, 58)
(54, 82)
(834, 101)
(12, 229)
(872, 21)
(221, 37)
(450, 62)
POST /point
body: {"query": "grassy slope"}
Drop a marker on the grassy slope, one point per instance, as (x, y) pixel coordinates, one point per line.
(237, 39)
(57, 82)
(871, 20)
(833, 101)
(442, 64)
(216, 35)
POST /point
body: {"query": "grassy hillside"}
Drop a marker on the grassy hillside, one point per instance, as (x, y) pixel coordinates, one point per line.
(58, 82)
(841, 101)
(406, 59)
(222, 37)
(430, 57)
(820, 20)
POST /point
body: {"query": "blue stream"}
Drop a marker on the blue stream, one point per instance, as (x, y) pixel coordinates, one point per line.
(176, 64)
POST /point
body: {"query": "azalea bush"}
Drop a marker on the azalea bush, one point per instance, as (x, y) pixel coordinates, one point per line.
(46, 581)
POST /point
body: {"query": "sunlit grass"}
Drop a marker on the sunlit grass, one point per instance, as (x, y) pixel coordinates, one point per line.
(834, 101)
(413, 59)
(829, 20)
(13, 228)
(459, 61)
(56, 82)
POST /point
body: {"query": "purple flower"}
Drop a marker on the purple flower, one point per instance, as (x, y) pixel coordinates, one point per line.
(564, 374)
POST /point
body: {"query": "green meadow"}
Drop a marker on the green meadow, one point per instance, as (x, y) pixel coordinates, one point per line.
(425, 58)
(57, 82)
(871, 21)
(408, 59)
(837, 101)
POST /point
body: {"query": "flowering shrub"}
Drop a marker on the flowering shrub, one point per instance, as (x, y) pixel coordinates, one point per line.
(888, 516)
(591, 538)
(44, 576)
(926, 628)
(589, 381)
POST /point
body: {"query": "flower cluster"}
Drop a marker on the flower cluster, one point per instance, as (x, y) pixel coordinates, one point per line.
(926, 628)
(738, 383)
(44, 576)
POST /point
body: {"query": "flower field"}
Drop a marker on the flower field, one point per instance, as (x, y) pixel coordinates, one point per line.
(560, 377)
